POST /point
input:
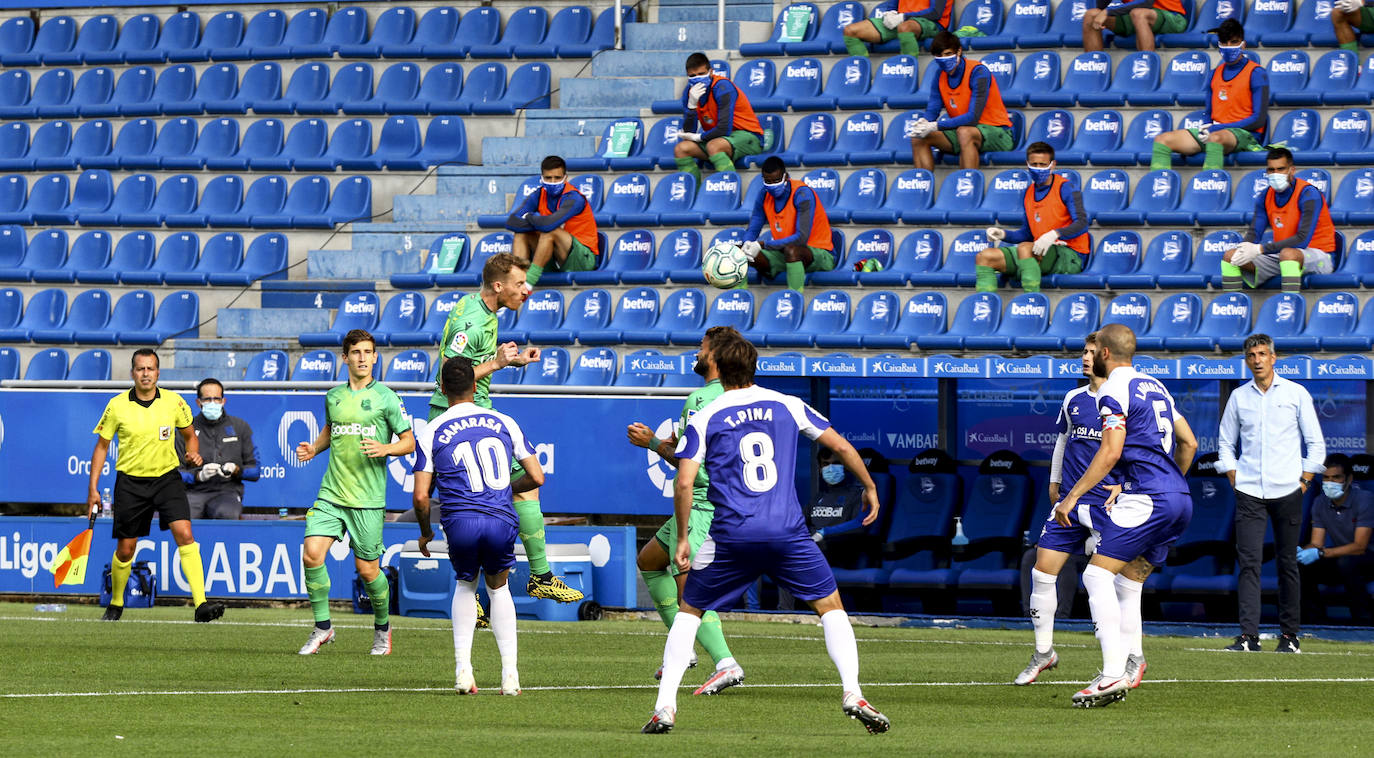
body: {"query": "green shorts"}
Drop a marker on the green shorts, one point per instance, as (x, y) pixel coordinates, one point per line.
(1245, 140)
(1059, 259)
(928, 29)
(363, 526)
(1166, 22)
(698, 526)
(995, 138)
(1366, 19)
(821, 260)
(580, 258)
(743, 143)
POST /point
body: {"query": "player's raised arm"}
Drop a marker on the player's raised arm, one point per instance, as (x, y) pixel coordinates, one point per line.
(642, 436)
(851, 460)
(1185, 443)
(307, 450)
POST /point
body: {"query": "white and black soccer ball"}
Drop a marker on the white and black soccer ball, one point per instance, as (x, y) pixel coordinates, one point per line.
(725, 265)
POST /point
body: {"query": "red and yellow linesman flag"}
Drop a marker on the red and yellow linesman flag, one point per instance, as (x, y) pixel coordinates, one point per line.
(69, 567)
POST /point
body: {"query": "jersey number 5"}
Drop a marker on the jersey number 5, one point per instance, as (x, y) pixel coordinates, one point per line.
(487, 464)
(760, 471)
(1164, 419)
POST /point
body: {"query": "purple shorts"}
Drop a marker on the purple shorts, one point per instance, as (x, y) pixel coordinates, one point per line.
(1145, 526)
(722, 571)
(1067, 539)
(478, 543)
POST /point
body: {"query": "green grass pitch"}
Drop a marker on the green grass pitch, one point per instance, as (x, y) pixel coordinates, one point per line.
(156, 684)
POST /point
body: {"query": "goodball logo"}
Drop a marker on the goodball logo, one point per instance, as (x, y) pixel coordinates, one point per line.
(660, 473)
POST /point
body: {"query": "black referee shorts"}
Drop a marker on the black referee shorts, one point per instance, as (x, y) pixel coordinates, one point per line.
(137, 497)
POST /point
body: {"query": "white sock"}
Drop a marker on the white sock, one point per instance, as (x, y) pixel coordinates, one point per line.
(677, 652)
(725, 663)
(1128, 595)
(1100, 584)
(464, 625)
(503, 626)
(844, 651)
(1044, 602)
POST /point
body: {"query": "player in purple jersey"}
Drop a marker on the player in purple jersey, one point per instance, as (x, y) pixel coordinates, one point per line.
(747, 441)
(1146, 447)
(466, 452)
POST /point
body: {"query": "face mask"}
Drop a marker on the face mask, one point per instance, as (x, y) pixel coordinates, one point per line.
(552, 189)
(1278, 181)
(947, 63)
(1040, 175)
(212, 411)
(1333, 490)
(692, 81)
(778, 190)
(832, 474)
(1231, 54)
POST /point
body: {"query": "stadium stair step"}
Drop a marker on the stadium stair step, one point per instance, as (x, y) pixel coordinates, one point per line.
(310, 293)
(349, 264)
(570, 122)
(636, 92)
(222, 358)
(707, 12)
(639, 63)
(529, 151)
(271, 322)
(692, 36)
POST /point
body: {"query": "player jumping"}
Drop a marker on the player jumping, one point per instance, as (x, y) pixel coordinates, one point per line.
(1146, 447)
(661, 575)
(468, 452)
(360, 417)
(747, 439)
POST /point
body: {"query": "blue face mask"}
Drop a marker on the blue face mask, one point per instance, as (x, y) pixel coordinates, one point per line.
(212, 411)
(1040, 175)
(778, 190)
(832, 474)
(692, 81)
(552, 189)
(948, 63)
(1231, 54)
(1278, 181)
(1333, 490)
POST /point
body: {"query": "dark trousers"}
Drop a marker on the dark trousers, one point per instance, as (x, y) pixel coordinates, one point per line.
(1352, 572)
(1252, 513)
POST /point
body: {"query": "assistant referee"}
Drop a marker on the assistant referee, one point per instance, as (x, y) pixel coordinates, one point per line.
(147, 480)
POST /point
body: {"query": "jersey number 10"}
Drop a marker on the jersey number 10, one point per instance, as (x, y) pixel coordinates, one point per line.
(486, 465)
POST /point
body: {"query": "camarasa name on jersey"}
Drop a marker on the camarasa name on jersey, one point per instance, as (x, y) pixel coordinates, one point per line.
(469, 422)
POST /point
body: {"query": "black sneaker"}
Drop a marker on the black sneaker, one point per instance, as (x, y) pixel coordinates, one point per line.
(112, 613)
(1288, 643)
(209, 611)
(1245, 643)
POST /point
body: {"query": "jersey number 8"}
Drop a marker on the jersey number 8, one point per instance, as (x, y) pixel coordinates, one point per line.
(487, 464)
(760, 471)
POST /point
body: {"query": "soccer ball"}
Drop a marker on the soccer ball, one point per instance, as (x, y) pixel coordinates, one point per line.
(724, 265)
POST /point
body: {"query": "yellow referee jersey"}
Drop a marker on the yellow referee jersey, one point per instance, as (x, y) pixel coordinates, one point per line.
(147, 431)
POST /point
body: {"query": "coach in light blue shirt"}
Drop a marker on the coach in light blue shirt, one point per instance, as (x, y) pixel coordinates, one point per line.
(1273, 422)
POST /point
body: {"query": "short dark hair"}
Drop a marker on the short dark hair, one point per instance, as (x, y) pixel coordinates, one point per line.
(1090, 338)
(552, 162)
(945, 42)
(1229, 30)
(773, 164)
(355, 336)
(1340, 461)
(1040, 148)
(133, 360)
(1117, 339)
(457, 376)
(498, 267)
(1279, 153)
(697, 60)
(735, 359)
(1257, 340)
(209, 380)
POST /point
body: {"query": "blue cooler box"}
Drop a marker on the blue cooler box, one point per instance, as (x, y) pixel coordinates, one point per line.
(427, 584)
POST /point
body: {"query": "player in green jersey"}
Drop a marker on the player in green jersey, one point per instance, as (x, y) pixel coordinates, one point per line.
(360, 418)
(471, 332)
(663, 579)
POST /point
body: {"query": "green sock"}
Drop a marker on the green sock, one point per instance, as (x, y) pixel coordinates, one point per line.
(1353, 47)
(379, 592)
(690, 166)
(1230, 277)
(908, 44)
(856, 46)
(1029, 269)
(119, 579)
(721, 162)
(985, 279)
(796, 275)
(1161, 157)
(317, 587)
(532, 276)
(1216, 158)
(712, 638)
(532, 534)
(663, 591)
(1291, 273)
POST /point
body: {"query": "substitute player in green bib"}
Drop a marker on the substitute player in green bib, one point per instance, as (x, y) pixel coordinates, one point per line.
(470, 332)
(360, 418)
(664, 579)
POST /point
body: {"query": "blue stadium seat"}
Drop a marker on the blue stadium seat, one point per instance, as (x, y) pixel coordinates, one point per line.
(601, 161)
(590, 310)
(918, 253)
(309, 83)
(1053, 127)
(978, 316)
(1157, 191)
(1311, 25)
(678, 254)
(11, 307)
(1185, 82)
(1347, 135)
(90, 95)
(352, 90)
(1227, 316)
(1336, 76)
(923, 315)
(958, 268)
(1168, 252)
(176, 204)
(962, 190)
(310, 92)
(315, 366)
(178, 315)
(445, 143)
(755, 79)
(178, 252)
(305, 206)
(356, 311)
(1288, 77)
(51, 147)
(799, 87)
(433, 327)
(1206, 262)
(636, 311)
(1177, 317)
(350, 148)
(894, 78)
(602, 36)
(408, 366)
(874, 317)
(16, 39)
(1211, 15)
(674, 194)
(218, 141)
(89, 259)
(266, 366)
(394, 27)
(90, 312)
(1036, 75)
(57, 35)
(1074, 317)
(570, 27)
(260, 89)
(9, 363)
(1028, 315)
(479, 26)
(864, 190)
(780, 313)
(1282, 316)
(1099, 131)
(133, 311)
(93, 193)
(632, 252)
(46, 311)
(94, 44)
(265, 259)
(849, 78)
(1131, 309)
(46, 253)
(541, 312)
(825, 182)
(911, 191)
(48, 202)
(529, 89)
(1003, 202)
(1208, 192)
(595, 367)
(263, 201)
(52, 94)
(829, 37)
(217, 91)
(1354, 199)
(1241, 207)
(525, 27)
(1136, 145)
(775, 46)
(14, 93)
(133, 253)
(860, 135)
(1118, 254)
(13, 195)
(223, 33)
(222, 254)
(986, 17)
(47, 365)
(180, 32)
(91, 366)
(173, 95)
(1026, 19)
(875, 244)
(733, 308)
(436, 29)
(627, 195)
(1300, 129)
(1138, 73)
(683, 312)
(827, 313)
(1088, 73)
(1360, 338)
(553, 368)
(1334, 318)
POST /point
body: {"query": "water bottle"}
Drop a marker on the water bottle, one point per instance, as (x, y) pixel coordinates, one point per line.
(106, 504)
(51, 608)
(281, 513)
(1025, 538)
(960, 540)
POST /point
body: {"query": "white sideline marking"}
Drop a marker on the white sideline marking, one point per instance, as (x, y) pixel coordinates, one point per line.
(579, 687)
(1351, 654)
